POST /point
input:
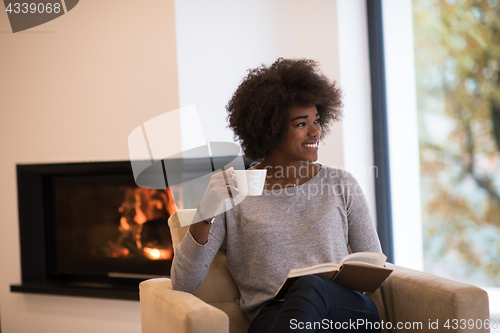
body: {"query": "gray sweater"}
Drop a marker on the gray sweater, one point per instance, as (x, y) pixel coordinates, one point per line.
(266, 236)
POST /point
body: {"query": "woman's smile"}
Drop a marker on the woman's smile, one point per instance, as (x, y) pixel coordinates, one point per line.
(301, 140)
(313, 145)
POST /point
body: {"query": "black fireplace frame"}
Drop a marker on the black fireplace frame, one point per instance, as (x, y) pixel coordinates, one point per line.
(34, 235)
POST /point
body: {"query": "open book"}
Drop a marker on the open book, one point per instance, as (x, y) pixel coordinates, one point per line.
(360, 271)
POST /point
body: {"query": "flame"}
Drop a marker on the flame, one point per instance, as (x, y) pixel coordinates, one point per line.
(140, 217)
(156, 254)
(138, 207)
(124, 226)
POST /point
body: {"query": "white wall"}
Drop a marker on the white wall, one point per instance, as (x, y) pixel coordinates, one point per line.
(72, 90)
(217, 41)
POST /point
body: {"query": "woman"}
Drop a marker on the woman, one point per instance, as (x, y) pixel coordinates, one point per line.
(308, 213)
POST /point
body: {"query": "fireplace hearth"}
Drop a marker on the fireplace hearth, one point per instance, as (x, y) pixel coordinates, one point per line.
(86, 229)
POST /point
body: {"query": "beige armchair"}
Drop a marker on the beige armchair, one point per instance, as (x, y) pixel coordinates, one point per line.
(410, 298)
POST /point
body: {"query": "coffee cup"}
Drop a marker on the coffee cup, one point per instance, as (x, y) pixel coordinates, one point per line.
(250, 182)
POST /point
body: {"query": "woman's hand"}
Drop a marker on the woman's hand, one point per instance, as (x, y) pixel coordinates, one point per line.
(220, 188)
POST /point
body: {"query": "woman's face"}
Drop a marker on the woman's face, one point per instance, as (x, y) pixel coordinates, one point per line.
(301, 140)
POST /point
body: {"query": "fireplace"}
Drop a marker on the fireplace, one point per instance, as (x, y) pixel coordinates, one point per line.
(86, 229)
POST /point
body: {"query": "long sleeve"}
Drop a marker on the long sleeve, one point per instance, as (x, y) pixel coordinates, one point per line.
(361, 233)
(192, 260)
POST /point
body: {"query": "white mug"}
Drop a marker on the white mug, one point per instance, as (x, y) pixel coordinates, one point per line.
(250, 182)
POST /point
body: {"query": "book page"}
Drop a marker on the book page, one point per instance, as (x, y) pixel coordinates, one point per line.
(372, 258)
(316, 269)
(362, 272)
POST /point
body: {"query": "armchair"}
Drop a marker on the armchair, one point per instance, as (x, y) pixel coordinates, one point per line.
(409, 297)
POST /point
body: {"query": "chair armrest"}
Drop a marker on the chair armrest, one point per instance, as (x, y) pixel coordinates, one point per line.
(164, 310)
(414, 296)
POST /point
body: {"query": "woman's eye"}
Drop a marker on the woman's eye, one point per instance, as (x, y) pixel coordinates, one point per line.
(317, 121)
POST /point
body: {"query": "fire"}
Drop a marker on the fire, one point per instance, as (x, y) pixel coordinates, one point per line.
(124, 226)
(143, 230)
(153, 253)
(156, 254)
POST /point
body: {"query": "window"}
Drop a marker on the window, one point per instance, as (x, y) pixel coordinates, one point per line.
(442, 61)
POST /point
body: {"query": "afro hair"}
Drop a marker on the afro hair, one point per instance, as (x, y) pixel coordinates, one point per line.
(258, 112)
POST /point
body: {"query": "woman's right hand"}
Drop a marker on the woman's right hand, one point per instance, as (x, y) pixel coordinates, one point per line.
(220, 188)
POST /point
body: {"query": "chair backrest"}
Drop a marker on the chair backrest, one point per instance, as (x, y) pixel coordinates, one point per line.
(218, 288)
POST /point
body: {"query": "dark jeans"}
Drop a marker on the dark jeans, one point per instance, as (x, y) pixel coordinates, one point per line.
(315, 304)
